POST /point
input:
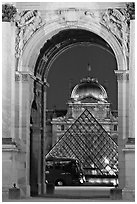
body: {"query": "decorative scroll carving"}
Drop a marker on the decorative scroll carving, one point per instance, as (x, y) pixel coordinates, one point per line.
(27, 23)
(116, 21)
(8, 12)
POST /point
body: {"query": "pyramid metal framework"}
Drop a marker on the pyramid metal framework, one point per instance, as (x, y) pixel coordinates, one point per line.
(87, 141)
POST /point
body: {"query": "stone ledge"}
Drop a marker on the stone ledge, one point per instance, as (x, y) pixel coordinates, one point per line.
(130, 148)
(9, 148)
(8, 145)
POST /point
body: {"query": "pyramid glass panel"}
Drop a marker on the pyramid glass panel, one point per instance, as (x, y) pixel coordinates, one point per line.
(87, 141)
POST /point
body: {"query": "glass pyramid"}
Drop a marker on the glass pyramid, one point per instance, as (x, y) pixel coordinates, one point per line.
(87, 141)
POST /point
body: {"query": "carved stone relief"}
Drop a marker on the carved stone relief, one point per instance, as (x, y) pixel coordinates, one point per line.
(117, 23)
(27, 23)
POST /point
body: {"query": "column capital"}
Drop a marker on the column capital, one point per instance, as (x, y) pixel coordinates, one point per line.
(122, 75)
(23, 76)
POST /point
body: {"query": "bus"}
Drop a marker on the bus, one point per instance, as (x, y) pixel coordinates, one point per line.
(63, 171)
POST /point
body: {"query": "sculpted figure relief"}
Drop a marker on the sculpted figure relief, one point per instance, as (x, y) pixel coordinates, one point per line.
(116, 23)
(27, 23)
(114, 20)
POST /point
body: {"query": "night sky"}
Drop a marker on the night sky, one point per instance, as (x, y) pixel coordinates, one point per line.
(71, 66)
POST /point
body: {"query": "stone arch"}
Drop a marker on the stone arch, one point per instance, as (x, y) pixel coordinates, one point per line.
(27, 63)
(47, 31)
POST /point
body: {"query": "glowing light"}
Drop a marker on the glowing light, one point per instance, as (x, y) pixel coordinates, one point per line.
(106, 160)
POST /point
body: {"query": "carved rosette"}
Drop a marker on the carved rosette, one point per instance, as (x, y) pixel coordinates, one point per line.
(27, 23)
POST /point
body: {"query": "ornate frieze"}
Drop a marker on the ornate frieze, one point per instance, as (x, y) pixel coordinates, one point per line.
(27, 22)
(115, 21)
(8, 12)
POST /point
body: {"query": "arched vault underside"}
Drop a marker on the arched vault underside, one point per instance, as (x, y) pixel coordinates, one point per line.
(62, 41)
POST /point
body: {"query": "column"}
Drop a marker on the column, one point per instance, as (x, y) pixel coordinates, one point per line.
(23, 98)
(36, 139)
(132, 80)
(43, 136)
(38, 114)
(129, 150)
(8, 82)
(123, 120)
(9, 150)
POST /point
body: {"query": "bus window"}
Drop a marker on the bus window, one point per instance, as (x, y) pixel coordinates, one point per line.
(61, 165)
(57, 165)
(63, 170)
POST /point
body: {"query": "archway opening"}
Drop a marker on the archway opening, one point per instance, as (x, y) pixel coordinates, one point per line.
(72, 65)
(64, 58)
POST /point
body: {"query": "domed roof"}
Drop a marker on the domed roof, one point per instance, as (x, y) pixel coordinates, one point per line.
(89, 88)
